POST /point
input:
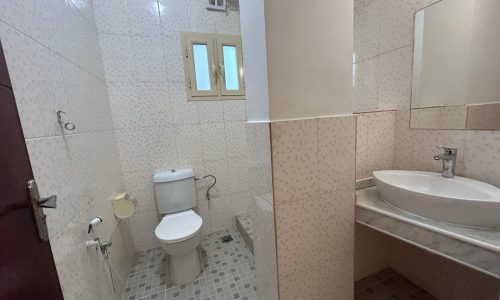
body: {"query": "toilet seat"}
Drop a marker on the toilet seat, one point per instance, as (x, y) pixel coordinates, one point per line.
(178, 227)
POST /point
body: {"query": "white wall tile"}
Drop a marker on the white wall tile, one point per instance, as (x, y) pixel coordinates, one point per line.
(21, 16)
(173, 17)
(157, 127)
(37, 80)
(172, 48)
(118, 57)
(111, 16)
(366, 28)
(221, 214)
(214, 141)
(200, 19)
(149, 59)
(235, 139)
(365, 96)
(394, 79)
(88, 105)
(396, 23)
(234, 110)
(210, 111)
(136, 105)
(185, 112)
(140, 186)
(143, 17)
(374, 142)
(189, 144)
(236, 174)
(229, 24)
(54, 62)
(141, 149)
(142, 225)
(163, 154)
(218, 169)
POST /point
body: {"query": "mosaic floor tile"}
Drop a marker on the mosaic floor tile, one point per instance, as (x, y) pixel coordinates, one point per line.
(228, 273)
(387, 284)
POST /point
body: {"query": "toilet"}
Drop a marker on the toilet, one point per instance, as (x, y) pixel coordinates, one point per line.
(179, 231)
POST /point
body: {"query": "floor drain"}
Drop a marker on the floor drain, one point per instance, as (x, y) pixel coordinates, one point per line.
(226, 238)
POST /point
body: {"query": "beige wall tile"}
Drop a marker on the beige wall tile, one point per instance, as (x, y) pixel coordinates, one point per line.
(323, 283)
(315, 243)
(294, 155)
(425, 144)
(374, 142)
(482, 155)
(336, 153)
(484, 116)
(402, 141)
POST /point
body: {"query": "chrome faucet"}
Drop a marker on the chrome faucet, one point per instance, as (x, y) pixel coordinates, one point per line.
(449, 158)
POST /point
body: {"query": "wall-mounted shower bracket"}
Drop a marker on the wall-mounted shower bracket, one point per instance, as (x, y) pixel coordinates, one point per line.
(66, 125)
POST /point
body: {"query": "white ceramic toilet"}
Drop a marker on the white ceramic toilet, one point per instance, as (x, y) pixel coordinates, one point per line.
(179, 231)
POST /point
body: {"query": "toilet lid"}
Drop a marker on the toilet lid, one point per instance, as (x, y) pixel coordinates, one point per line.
(178, 227)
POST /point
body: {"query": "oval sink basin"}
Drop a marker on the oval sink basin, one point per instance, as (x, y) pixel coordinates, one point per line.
(455, 200)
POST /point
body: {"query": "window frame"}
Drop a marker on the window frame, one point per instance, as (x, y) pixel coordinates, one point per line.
(215, 43)
(230, 40)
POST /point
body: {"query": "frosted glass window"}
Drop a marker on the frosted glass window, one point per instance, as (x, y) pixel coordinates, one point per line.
(231, 67)
(201, 68)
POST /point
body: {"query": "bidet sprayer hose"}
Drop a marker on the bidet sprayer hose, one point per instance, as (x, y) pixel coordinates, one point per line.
(211, 186)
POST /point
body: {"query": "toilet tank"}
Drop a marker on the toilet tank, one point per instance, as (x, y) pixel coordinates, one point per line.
(175, 190)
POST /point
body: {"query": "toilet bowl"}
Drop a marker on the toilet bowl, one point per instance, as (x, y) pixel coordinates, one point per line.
(179, 235)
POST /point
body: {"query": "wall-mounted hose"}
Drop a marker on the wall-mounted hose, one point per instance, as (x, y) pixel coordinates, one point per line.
(211, 186)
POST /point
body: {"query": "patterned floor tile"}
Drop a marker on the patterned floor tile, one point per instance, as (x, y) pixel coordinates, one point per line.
(228, 273)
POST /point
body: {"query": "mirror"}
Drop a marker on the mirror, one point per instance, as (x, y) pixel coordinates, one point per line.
(456, 66)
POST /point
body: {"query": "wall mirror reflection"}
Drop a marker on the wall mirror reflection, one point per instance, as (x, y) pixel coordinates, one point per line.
(456, 66)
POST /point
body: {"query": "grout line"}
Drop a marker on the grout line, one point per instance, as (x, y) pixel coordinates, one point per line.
(61, 55)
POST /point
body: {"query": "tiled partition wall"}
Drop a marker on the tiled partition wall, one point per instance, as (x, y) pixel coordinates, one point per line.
(313, 182)
(383, 50)
(54, 62)
(157, 128)
(262, 213)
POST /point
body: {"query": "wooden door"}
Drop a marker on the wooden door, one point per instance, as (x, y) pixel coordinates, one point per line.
(27, 269)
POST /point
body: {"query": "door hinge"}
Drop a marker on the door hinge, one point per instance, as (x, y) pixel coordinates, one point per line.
(189, 83)
(186, 53)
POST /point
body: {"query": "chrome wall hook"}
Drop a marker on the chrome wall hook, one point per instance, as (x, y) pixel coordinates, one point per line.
(66, 125)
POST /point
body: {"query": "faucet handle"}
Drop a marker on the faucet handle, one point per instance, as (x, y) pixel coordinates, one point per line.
(448, 150)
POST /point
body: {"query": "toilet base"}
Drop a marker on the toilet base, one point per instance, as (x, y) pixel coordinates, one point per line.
(185, 268)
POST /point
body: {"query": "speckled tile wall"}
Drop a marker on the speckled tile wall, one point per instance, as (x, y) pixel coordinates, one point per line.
(54, 61)
(313, 180)
(383, 50)
(156, 127)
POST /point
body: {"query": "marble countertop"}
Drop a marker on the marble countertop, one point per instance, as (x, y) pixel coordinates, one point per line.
(478, 248)
(368, 198)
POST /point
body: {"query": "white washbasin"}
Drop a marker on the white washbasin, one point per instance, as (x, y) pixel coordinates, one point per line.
(456, 200)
